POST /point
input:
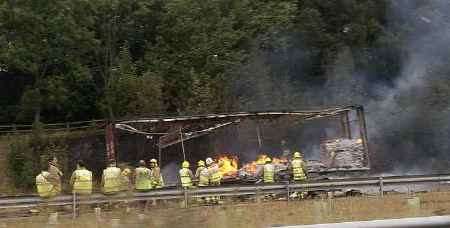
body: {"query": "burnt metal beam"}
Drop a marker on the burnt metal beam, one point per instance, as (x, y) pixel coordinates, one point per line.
(363, 133)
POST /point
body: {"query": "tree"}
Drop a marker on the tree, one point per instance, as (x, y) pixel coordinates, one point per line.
(42, 39)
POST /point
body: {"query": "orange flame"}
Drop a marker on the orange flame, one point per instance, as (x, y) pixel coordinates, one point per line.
(228, 166)
(252, 167)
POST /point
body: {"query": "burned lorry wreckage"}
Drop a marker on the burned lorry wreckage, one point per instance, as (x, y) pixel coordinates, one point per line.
(333, 141)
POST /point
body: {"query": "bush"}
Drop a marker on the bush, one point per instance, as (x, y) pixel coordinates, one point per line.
(21, 163)
(28, 155)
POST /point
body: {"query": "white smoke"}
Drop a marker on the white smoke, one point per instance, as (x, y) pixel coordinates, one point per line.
(403, 108)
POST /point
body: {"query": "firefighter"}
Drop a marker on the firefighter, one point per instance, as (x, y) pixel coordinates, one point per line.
(202, 174)
(54, 176)
(111, 179)
(214, 177)
(268, 172)
(81, 180)
(157, 179)
(186, 175)
(214, 174)
(143, 179)
(44, 187)
(298, 167)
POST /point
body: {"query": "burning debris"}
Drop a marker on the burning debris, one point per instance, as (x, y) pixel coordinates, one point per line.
(228, 166)
(343, 153)
(250, 171)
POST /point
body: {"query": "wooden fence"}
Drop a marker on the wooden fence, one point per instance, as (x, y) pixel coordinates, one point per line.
(53, 127)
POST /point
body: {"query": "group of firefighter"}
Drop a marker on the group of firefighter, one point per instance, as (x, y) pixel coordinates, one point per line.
(115, 180)
(209, 174)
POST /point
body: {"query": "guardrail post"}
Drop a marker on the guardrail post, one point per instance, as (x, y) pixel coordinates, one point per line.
(74, 206)
(288, 192)
(186, 205)
(98, 216)
(258, 195)
(381, 187)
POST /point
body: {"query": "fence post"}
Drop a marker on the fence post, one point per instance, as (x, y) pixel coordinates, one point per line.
(381, 186)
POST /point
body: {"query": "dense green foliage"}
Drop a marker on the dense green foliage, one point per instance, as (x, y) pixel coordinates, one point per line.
(94, 59)
(29, 154)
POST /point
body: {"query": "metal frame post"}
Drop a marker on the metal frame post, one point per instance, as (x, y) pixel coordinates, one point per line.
(182, 145)
(258, 134)
(363, 133)
(159, 154)
(345, 125)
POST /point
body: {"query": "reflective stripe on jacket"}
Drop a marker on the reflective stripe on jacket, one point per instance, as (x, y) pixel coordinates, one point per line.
(44, 187)
(203, 176)
(269, 173)
(83, 181)
(111, 180)
(143, 179)
(297, 169)
(157, 179)
(215, 175)
(185, 177)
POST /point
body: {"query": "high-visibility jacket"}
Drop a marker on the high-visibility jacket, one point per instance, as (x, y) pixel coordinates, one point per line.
(82, 181)
(185, 177)
(44, 187)
(297, 169)
(214, 174)
(269, 173)
(111, 180)
(157, 179)
(143, 179)
(203, 176)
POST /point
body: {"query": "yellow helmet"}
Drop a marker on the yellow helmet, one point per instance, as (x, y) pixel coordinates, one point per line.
(153, 160)
(268, 159)
(185, 164)
(201, 163)
(297, 155)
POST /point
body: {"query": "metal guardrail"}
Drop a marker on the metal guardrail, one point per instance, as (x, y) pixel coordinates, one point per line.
(255, 190)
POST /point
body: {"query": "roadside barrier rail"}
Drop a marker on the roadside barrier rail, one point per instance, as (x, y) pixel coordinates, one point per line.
(224, 191)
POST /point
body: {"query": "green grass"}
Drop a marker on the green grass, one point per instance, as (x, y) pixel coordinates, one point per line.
(263, 214)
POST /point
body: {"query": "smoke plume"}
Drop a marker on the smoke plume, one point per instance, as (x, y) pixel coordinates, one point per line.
(407, 116)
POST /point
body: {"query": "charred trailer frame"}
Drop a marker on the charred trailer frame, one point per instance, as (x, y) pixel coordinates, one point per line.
(177, 130)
